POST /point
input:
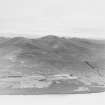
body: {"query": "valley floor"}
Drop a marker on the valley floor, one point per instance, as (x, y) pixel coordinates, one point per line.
(38, 84)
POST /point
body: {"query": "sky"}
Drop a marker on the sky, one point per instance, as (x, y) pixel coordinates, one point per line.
(80, 18)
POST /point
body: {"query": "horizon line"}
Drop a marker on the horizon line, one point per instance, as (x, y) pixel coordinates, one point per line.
(26, 35)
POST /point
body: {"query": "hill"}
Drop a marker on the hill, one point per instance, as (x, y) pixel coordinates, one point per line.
(52, 55)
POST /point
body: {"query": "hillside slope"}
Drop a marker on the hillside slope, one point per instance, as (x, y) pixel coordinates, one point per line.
(51, 55)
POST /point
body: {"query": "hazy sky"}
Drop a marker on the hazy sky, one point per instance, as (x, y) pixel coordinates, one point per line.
(83, 18)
